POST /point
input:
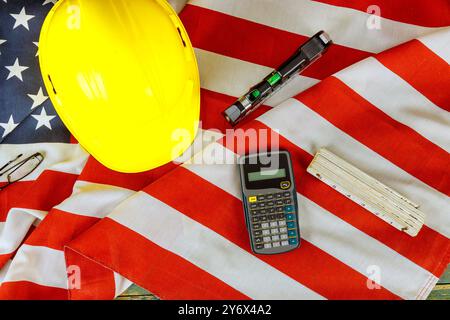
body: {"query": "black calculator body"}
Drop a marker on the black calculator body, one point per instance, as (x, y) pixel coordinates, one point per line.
(270, 201)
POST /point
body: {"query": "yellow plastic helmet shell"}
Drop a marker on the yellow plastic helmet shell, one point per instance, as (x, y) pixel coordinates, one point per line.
(123, 78)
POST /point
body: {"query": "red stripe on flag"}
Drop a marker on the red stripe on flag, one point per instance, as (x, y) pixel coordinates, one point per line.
(416, 249)
(312, 267)
(4, 258)
(58, 228)
(95, 172)
(420, 67)
(24, 290)
(148, 265)
(96, 281)
(12, 195)
(416, 12)
(257, 43)
(50, 189)
(369, 125)
(73, 140)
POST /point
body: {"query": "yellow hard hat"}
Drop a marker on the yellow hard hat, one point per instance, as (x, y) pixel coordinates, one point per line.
(123, 77)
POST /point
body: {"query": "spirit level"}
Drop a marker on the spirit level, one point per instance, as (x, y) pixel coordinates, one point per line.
(385, 203)
(303, 57)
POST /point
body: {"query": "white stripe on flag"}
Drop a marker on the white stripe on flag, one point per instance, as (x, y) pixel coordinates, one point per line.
(121, 284)
(360, 251)
(17, 225)
(4, 271)
(395, 97)
(61, 157)
(346, 27)
(234, 77)
(191, 240)
(94, 200)
(308, 130)
(439, 43)
(40, 265)
(333, 235)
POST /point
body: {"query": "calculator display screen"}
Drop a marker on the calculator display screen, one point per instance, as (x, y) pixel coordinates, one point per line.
(267, 171)
(266, 174)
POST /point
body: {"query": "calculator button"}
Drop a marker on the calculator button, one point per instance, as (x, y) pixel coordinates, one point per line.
(273, 231)
(283, 229)
(289, 216)
(287, 201)
(258, 240)
(274, 224)
(262, 211)
(284, 243)
(290, 225)
(271, 210)
(279, 202)
(286, 194)
(266, 232)
(275, 238)
(280, 216)
(257, 232)
(292, 233)
(269, 196)
(264, 225)
(289, 208)
(255, 212)
(252, 199)
(293, 241)
(282, 223)
(278, 195)
(256, 225)
(259, 246)
(261, 204)
(283, 236)
(255, 219)
(267, 246)
(285, 184)
(260, 198)
(276, 244)
(253, 206)
(263, 218)
(266, 239)
(280, 209)
(270, 203)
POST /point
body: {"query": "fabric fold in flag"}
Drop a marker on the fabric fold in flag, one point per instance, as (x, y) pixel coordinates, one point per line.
(327, 228)
(77, 230)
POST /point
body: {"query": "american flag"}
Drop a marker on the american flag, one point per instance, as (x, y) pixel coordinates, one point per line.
(379, 98)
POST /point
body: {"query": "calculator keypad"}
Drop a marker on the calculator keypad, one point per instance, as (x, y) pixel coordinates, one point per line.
(273, 220)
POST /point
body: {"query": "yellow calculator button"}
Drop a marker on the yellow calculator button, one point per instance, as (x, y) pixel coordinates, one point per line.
(252, 199)
(285, 185)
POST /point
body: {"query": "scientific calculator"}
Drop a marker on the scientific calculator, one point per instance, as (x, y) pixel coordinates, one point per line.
(270, 201)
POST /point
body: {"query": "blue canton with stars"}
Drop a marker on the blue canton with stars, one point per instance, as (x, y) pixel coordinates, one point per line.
(26, 113)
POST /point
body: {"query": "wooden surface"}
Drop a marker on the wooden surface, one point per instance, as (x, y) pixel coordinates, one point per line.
(440, 292)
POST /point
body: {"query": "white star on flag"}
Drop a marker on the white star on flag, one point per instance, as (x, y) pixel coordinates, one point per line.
(22, 19)
(8, 126)
(49, 1)
(43, 119)
(37, 45)
(16, 70)
(38, 98)
(1, 42)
